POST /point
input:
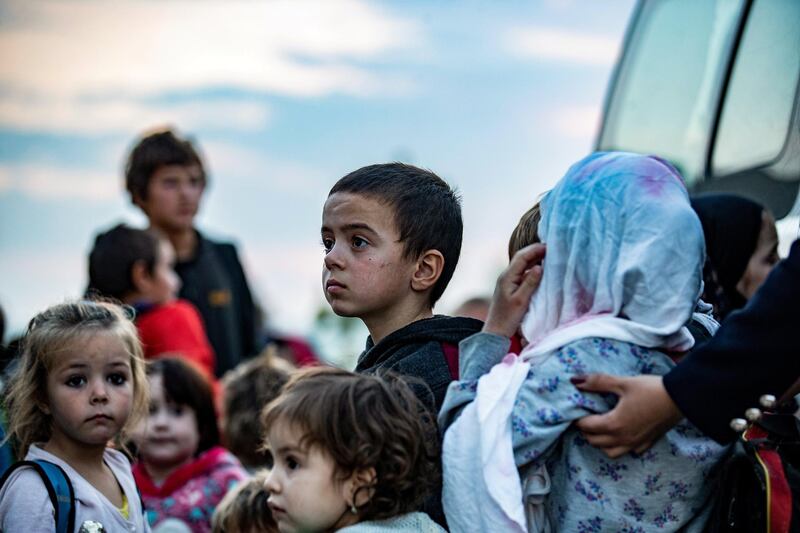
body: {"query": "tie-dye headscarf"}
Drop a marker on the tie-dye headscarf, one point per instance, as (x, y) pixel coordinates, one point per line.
(624, 250)
(624, 257)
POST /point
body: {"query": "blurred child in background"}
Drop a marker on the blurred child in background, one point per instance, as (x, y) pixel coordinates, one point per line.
(135, 267)
(182, 471)
(244, 509)
(252, 383)
(80, 385)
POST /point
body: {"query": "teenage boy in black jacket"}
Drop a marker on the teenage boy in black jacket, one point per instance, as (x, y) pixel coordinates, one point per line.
(166, 180)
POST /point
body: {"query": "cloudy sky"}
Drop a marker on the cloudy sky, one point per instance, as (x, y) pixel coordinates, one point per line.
(285, 97)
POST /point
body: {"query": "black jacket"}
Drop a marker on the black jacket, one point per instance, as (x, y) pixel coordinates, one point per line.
(214, 281)
(755, 352)
(416, 351)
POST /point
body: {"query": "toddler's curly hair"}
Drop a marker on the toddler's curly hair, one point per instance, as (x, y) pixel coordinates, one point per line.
(363, 422)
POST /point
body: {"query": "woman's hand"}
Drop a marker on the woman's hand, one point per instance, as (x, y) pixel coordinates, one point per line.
(512, 294)
(643, 414)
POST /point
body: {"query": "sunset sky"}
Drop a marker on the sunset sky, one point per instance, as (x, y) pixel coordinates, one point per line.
(285, 97)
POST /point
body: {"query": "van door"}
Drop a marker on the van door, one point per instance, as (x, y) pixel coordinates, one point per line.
(714, 86)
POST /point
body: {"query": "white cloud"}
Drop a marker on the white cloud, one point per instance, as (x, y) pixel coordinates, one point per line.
(50, 182)
(121, 115)
(554, 44)
(257, 165)
(575, 122)
(302, 48)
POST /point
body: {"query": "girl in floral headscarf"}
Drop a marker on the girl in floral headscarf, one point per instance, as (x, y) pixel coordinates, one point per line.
(621, 278)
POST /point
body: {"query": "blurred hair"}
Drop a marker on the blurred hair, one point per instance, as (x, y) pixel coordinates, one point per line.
(255, 382)
(526, 232)
(186, 385)
(244, 508)
(427, 212)
(113, 256)
(60, 329)
(154, 150)
(363, 422)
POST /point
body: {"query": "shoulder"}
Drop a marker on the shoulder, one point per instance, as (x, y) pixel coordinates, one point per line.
(117, 459)
(24, 497)
(223, 248)
(184, 309)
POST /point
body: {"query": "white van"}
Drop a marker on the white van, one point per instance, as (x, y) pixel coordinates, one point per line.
(713, 86)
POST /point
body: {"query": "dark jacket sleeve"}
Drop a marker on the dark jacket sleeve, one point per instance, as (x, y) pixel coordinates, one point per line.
(755, 352)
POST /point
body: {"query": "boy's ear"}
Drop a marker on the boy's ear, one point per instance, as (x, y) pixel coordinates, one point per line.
(140, 277)
(429, 267)
(361, 487)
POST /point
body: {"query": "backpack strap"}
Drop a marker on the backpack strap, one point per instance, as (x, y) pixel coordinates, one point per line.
(450, 352)
(59, 488)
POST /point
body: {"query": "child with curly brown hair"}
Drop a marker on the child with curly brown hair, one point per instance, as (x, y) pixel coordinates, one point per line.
(349, 454)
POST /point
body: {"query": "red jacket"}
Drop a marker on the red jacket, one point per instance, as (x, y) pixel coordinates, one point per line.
(175, 328)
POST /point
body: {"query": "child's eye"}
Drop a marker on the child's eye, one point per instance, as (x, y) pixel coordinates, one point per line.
(75, 381)
(327, 244)
(358, 242)
(117, 379)
(291, 463)
(176, 410)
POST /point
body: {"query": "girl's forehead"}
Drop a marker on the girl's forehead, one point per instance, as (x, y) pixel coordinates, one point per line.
(93, 349)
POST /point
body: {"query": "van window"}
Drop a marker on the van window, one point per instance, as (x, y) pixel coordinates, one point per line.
(669, 82)
(758, 109)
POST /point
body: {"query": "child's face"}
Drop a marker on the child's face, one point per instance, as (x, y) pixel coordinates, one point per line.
(304, 496)
(364, 273)
(170, 436)
(764, 257)
(162, 286)
(90, 391)
(173, 197)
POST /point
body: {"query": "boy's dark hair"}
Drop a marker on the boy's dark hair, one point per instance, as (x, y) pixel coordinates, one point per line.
(112, 258)
(155, 150)
(361, 422)
(255, 382)
(185, 385)
(427, 212)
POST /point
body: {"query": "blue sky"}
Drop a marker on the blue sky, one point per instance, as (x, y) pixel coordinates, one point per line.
(498, 98)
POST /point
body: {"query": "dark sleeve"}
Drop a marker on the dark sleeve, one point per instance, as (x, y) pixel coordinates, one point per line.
(245, 302)
(755, 352)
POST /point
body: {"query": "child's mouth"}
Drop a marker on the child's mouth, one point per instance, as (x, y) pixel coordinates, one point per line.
(333, 286)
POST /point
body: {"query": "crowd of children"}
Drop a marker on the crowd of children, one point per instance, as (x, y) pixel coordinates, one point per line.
(446, 422)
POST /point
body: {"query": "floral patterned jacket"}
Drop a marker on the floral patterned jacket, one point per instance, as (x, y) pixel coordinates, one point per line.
(192, 492)
(667, 488)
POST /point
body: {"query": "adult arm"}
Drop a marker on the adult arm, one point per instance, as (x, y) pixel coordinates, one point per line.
(755, 352)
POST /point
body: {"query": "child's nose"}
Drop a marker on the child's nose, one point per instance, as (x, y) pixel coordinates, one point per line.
(271, 484)
(333, 259)
(99, 392)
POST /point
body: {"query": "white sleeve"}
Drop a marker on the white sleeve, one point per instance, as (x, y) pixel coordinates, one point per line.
(25, 504)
